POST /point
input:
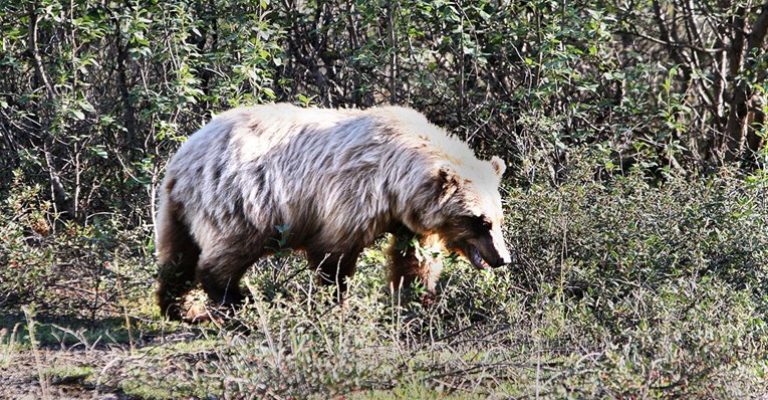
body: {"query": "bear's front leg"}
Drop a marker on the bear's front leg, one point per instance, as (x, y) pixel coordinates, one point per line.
(219, 272)
(413, 257)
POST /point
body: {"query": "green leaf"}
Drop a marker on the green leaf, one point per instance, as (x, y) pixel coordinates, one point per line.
(77, 114)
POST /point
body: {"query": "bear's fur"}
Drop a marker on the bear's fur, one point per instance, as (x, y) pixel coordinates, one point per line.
(325, 182)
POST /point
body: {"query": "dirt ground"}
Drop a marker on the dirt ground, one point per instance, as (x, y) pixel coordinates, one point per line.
(100, 369)
(22, 378)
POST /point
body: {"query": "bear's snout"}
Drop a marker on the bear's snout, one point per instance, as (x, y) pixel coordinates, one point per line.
(504, 260)
(503, 257)
(487, 251)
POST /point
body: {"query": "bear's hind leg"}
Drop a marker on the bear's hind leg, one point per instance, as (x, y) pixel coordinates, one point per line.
(177, 257)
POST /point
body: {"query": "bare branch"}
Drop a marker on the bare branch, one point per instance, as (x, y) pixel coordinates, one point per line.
(35, 53)
(670, 43)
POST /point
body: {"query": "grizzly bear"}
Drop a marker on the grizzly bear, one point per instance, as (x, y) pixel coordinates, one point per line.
(327, 183)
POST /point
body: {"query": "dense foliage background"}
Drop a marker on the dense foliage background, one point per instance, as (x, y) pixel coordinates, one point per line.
(94, 95)
(636, 135)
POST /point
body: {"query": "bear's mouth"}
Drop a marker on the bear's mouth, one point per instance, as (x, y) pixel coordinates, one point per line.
(475, 258)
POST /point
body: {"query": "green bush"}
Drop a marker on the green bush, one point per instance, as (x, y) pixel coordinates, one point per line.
(623, 289)
(67, 268)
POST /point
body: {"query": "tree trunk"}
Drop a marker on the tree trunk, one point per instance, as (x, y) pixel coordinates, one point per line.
(737, 127)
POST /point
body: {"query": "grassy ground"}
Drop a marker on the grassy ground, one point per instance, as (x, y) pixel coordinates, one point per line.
(624, 289)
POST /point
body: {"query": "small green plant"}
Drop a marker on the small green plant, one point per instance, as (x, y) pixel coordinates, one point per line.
(279, 248)
(69, 374)
(29, 314)
(9, 345)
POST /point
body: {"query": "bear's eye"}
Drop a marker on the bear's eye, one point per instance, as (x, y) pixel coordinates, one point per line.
(480, 223)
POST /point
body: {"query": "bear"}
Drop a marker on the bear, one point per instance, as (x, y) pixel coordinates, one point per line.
(328, 183)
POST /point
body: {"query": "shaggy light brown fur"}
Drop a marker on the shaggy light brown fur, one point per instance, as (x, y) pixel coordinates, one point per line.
(336, 180)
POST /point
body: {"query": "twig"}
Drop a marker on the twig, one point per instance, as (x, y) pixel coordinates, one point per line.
(35, 53)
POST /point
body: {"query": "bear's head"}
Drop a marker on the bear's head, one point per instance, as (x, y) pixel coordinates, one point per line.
(468, 216)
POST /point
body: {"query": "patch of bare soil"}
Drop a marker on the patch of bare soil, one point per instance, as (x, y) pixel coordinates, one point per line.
(56, 374)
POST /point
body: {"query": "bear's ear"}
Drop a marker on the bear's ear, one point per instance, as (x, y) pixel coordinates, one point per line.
(448, 184)
(499, 166)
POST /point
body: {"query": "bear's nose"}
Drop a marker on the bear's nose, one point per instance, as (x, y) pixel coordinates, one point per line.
(504, 257)
(502, 261)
